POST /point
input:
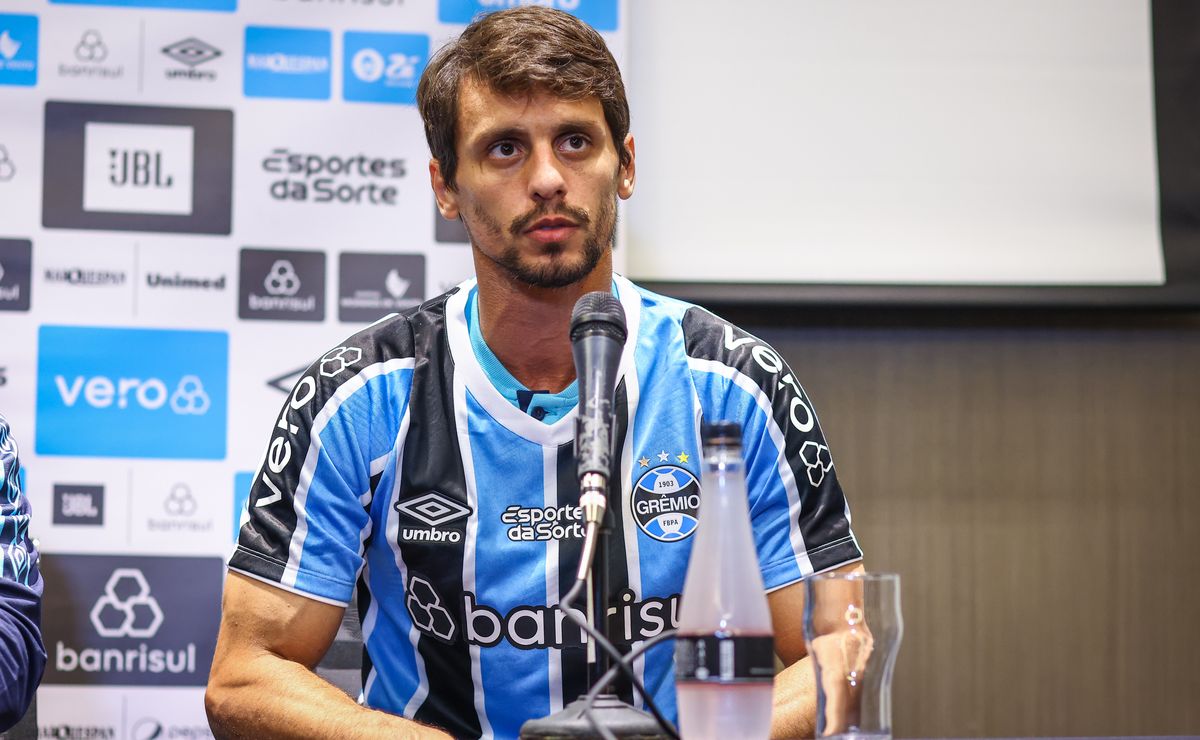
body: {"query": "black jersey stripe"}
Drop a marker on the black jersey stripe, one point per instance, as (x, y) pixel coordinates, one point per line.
(432, 463)
(574, 657)
(618, 562)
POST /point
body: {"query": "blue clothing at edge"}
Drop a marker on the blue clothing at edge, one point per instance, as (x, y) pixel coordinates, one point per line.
(22, 654)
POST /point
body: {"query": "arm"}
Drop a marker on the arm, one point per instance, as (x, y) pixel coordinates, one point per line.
(262, 682)
(795, 710)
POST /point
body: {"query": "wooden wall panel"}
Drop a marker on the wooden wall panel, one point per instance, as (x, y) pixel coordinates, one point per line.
(1038, 489)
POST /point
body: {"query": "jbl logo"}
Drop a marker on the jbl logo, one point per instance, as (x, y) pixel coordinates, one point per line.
(137, 168)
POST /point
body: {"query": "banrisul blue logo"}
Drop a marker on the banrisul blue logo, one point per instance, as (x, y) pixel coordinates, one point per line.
(383, 67)
(18, 49)
(216, 5)
(287, 63)
(599, 14)
(131, 392)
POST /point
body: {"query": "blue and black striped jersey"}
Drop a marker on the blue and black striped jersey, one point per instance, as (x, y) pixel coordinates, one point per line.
(398, 475)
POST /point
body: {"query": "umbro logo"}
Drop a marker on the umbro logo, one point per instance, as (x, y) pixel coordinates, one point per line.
(434, 510)
(192, 52)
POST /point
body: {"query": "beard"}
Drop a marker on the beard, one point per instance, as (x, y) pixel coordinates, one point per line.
(563, 268)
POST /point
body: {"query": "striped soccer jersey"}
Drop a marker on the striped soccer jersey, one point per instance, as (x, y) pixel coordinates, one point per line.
(397, 473)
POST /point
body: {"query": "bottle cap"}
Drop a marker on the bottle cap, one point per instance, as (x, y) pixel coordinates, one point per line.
(727, 433)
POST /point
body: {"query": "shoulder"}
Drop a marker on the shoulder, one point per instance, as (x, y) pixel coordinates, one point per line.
(393, 341)
(709, 338)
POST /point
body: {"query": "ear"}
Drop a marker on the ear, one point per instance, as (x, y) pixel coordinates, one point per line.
(447, 199)
(626, 174)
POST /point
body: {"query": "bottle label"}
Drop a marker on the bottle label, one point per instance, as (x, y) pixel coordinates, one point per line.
(733, 659)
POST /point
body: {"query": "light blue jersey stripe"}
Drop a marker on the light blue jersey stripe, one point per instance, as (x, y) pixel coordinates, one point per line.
(508, 472)
(332, 511)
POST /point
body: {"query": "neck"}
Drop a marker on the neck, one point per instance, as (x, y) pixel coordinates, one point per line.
(528, 328)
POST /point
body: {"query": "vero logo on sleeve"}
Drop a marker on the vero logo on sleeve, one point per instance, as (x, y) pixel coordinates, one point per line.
(131, 392)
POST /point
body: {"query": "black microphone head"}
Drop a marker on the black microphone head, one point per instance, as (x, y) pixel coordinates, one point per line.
(598, 312)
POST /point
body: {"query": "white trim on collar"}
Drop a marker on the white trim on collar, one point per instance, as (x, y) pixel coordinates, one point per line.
(499, 407)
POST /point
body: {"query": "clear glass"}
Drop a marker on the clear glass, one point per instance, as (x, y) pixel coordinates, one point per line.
(852, 628)
(724, 594)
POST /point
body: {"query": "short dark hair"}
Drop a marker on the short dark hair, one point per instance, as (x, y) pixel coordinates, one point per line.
(519, 51)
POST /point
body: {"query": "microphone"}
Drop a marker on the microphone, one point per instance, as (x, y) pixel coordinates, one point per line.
(597, 339)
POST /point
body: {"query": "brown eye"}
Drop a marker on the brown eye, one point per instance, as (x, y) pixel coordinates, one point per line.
(575, 142)
(503, 150)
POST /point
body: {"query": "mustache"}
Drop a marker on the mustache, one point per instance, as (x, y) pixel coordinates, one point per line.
(521, 223)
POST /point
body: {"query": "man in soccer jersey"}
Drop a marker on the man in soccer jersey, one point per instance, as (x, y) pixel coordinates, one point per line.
(424, 467)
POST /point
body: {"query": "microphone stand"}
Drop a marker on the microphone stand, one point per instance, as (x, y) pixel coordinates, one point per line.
(609, 715)
(597, 334)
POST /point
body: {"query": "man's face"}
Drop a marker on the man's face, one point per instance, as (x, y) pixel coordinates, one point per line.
(538, 178)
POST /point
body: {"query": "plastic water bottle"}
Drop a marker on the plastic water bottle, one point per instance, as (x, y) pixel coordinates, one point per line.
(724, 652)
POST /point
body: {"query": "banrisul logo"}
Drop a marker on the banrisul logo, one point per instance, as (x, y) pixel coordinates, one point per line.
(134, 621)
(665, 502)
(131, 392)
(599, 14)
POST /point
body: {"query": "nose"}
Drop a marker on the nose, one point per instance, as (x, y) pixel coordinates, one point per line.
(546, 180)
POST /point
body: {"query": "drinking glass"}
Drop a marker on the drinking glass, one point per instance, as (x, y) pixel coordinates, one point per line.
(852, 628)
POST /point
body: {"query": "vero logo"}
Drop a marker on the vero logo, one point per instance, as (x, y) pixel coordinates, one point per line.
(131, 392)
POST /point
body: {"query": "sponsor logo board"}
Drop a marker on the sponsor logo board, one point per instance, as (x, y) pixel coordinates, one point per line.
(127, 620)
(146, 393)
(18, 49)
(179, 512)
(181, 281)
(348, 179)
(16, 256)
(287, 63)
(78, 504)
(383, 67)
(599, 14)
(137, 168)
(96, 277)
(214, 5)
(281, 285)
(91, 59)
(192, 59)
(371, 286)
(8, 169)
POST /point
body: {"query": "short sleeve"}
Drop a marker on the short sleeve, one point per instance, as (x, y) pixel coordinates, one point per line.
(308, 515)
(798, 511)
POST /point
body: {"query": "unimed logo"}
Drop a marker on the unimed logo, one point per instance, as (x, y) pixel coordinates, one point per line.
(131, 392)
(130, 620)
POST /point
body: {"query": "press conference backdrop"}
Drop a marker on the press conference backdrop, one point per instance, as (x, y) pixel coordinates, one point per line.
(922, 151)
(197, 198)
